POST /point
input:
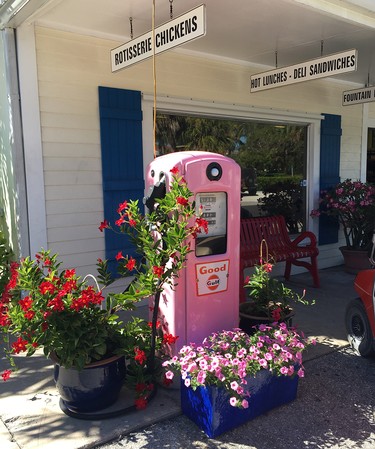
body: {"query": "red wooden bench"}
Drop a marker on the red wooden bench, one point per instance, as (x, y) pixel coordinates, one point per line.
(280, 247)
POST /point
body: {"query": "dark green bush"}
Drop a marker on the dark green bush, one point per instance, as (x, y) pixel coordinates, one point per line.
(284, 197)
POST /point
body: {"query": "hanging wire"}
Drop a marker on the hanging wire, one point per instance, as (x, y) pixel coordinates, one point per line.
(171, 9)
(154, 75)
(131, 27)
(276, 58)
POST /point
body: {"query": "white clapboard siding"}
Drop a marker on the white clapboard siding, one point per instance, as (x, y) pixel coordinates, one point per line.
(78, 219)
(67, 192)
(69, 248)
(70, 69)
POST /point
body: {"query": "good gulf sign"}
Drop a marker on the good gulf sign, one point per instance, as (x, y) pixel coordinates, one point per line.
(212, 277)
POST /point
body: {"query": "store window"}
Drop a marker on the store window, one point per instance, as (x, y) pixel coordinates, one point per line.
(272, 157)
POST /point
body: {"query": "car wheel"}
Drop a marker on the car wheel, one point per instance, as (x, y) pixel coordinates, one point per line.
(358, 329)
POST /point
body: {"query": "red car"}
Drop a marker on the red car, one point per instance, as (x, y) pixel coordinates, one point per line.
(360, 317)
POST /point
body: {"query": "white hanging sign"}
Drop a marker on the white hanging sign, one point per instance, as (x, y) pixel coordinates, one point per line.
(180, 30)
(364, 95)
(306, 71)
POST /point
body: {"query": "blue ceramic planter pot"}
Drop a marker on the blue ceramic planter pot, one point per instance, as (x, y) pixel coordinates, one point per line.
(209, 407)
(96, 387)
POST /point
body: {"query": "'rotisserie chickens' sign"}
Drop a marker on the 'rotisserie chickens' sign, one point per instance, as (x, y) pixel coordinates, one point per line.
(180, 30)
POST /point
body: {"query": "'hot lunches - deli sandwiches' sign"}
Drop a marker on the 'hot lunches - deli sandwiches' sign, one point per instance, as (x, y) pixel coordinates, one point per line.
(180, 30)
(310, 70)
(212, 277)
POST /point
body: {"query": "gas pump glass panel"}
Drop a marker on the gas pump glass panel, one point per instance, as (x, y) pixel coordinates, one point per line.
(213, 207)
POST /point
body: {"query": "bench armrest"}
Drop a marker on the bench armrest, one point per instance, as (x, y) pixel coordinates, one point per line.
(305, 235)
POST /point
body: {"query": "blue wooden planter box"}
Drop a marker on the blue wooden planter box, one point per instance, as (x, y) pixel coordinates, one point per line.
(209, 407)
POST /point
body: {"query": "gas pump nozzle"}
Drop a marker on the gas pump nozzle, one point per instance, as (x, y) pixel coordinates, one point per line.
(155, 192)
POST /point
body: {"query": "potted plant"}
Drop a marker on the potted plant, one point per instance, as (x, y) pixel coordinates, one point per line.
(352, 203)
(233, 377)
(52, 308)
(269, 300)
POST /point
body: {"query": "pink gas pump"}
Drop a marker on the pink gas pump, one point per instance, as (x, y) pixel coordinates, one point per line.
(206, 298)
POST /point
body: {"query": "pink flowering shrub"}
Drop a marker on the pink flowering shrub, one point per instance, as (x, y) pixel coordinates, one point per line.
(353, 203)
(227, 358)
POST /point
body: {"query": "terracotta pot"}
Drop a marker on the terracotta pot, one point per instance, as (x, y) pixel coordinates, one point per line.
(355, 260)
(249, 318)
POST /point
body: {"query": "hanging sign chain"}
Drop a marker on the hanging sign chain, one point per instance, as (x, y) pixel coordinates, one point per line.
(154, 76)
(171, 9)
(131, 27)
(276, 58)
(321, 47)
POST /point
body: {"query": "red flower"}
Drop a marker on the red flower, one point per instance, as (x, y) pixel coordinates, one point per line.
(25, 303)
(4, 320)
(169, 339)
(46, 287)
(120, 221)
(132, 223)
(56, 304)
(158, 271)
(181, 200)
(122, 206)
(143, 387)
(140, 356)
(202, 223)
(19, 345)
(167, 381)
(29, 315)
(68, 287)
(130, 264)
(13, 276)
(276, 314)
(6, 374)
(69, 273)
(174, 171)
(268, 267)
(119, 256)
(103, 225)
(140, 387)
(149, 324)
(140, 403)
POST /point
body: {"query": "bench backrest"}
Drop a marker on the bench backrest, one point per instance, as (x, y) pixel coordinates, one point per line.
(272, 229)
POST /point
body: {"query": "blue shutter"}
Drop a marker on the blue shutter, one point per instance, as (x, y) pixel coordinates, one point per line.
(330, 139)
(122, 160)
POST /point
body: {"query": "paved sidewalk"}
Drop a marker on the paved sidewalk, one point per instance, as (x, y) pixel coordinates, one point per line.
(334, 409)
(31, 417)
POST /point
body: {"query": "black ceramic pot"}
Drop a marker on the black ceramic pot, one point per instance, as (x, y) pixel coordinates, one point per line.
(95, 387)
(249, 318)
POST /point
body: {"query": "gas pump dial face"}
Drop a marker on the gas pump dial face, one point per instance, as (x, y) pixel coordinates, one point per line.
(214, 209)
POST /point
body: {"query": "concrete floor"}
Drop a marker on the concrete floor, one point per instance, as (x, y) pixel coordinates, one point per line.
(29, 405)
